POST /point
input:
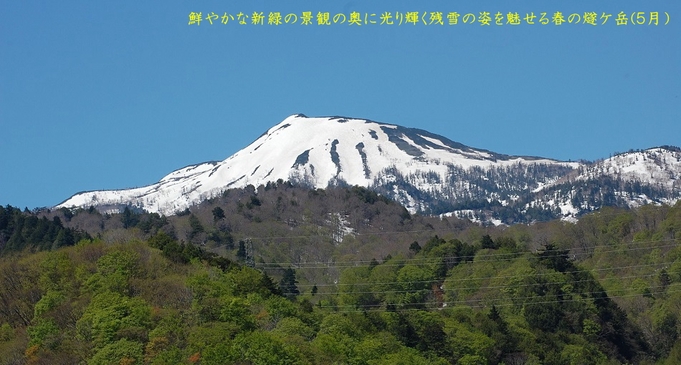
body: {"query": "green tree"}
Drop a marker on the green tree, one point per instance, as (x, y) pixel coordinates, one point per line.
(555, 259)
(263, 348)
(415, 284)
(44, 333)
(664, 279)
(6, 331)
(129, 218)
(288, 283)
(122, 351)
(487, 242)
(543, 314)
(218, 213)
(241, 253)
(195, 225)
(111, 316)
(408, 356)
(354, 290)
(426, 332)
(64, 238)
(114, 271)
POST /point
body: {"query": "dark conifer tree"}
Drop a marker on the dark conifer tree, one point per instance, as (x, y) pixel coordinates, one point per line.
(241, 251)
(218, 213)
(288, 283)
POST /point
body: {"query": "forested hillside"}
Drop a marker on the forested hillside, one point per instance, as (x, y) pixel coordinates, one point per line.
(254, 279)
(21, 230)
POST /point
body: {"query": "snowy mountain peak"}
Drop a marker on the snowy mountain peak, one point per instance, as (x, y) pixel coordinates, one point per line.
(424, 171)
(659, 166)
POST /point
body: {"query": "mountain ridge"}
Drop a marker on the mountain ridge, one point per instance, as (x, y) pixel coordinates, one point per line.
(419, 169)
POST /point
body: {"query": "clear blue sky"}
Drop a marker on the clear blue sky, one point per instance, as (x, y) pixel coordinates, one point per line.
(116, 94)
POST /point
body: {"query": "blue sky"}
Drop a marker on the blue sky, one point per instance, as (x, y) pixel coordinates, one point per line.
(108, 95)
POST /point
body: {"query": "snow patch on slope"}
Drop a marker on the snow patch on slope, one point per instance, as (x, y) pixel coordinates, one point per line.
(316, 152)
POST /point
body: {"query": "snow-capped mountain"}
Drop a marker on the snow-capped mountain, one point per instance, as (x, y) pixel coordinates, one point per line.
(627, 179)
(424, 171)
(659, 167)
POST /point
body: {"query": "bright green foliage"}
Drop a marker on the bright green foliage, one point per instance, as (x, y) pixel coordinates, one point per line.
(292, 326)
(469, 343)
(590, 295)
(241, 281)
(212, 338)
(278, 308)
(675, 271)
(56, 272)
(44, 332)
(49, 301)
(120, 261)
(640, 286)
(209, 283)
(407, 356)
(375, 347)
(352, 324)
(355, 292)
(334, 349)
(114, 271)
(445, 255)
(263, 348)
(6, 332)
(167, 356)
(236, 310)
(122, 351)
(591, 328)
(111, 316)
(382, 282)
(472, 360)
(433, 242)
(415, 284)
(170, 326)
(581, 355)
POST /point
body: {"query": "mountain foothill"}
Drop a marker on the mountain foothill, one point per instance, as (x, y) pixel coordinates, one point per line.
(356, 242)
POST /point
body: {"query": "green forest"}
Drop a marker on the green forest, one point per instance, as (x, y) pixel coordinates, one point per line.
(274, 277)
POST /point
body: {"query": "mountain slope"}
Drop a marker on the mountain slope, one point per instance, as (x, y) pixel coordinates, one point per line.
(627, 179)
(425, 172)
(659, 166)
(318, 152)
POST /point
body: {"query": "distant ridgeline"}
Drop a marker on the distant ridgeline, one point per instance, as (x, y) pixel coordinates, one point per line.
(21, 230)
(425, 172)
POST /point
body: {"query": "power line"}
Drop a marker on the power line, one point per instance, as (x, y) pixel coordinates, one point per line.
(478, 258)
(501, 287)
(509, 277)
(488, 302)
